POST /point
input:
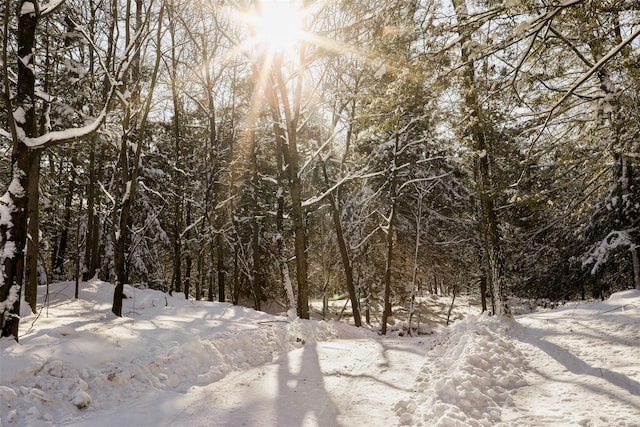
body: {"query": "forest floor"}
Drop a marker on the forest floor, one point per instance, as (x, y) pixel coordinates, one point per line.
(173, 362)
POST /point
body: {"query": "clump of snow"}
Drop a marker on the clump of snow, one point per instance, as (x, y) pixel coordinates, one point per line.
(468, 376)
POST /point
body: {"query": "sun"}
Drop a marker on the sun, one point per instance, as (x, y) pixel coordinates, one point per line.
(276, 25)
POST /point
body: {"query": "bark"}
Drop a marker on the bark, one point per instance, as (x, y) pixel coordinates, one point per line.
(14, 231)
(13, 262)
(300, 233)
(210, 275)
(177, 284)
(77, 260)
(33, 245)
(453, 300)
(416, 253)
(92, 245)
(635, 261)
(236, 282)
(198, 284)
(255, 255)
(483, 291)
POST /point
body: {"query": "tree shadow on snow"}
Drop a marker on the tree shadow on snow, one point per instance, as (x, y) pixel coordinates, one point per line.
(302, 398)
(577, 366)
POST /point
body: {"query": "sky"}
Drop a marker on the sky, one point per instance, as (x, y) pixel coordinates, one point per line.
(177, 362)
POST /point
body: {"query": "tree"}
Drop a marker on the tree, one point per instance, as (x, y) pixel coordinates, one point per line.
(23, 133)
(132, 139)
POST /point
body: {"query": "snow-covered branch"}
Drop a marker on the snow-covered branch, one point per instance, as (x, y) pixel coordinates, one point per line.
(599, 253)
(50, 7)
(348, 178)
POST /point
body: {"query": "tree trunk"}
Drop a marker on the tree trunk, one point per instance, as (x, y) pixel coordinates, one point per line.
(414, 276)
(236, 273)
(91, 253)
(199, 282)
(15, 233)
(386, 312)
(33, 245)
(282, 164)
(635, 260)
(489, 219)
(255, 239)
(14, 228)
(134, 129)
(61, 252)
(187, 267)
(344, 255)
(295, 190)
(255, 256)
(220, 266)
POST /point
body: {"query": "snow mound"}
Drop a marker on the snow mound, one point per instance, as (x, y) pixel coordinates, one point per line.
(82, 358)
(467, 377)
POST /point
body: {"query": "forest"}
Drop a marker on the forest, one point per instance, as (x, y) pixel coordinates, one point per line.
(273, 152)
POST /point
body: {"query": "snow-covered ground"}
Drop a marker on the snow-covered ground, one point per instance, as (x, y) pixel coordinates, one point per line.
(173, 362)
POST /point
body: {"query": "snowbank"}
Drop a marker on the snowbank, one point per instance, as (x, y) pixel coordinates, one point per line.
(467, 377)
(81, 357)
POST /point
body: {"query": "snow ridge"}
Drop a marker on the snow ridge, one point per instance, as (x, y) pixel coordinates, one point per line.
(467, 376)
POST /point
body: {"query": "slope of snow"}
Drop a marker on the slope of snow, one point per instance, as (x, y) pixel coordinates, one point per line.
(574, 366)
(584, 365)
(173, 362)
(81, 357)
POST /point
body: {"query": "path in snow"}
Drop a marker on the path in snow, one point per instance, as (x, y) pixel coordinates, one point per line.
(584, 366)
(321, 384)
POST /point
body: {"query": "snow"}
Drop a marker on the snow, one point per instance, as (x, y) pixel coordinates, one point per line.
(177, 362)
(19, 114)
(28, 8)
(599, 253)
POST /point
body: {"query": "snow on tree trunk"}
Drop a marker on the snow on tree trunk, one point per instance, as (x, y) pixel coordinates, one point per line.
(14, 204)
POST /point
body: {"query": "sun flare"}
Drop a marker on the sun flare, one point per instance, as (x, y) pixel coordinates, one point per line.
(277, 25)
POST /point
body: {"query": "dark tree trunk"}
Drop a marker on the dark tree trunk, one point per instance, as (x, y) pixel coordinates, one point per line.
(297, 213)
(236, 285)
(255, 257)
(220, 266)
(91, 254)
(387, 312)
(342, 245)
(33, 245)
(61, 252)
(15, 230)
(187, 261)
(199, 282)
